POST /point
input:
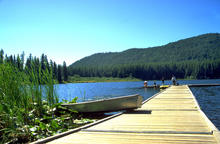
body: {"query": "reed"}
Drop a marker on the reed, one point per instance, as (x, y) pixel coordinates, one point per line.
(29, 108)
(20, 93)
(14, 100)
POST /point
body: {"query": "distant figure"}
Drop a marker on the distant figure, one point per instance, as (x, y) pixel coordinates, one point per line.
(173, 79)
(162, 80)
(155, 84)
(145, 83)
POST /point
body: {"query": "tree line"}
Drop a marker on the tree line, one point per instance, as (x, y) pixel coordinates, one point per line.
(195, 58)
(207, 69)
(200, 48)
(38, 65)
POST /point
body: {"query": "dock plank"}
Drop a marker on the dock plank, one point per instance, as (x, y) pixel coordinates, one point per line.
(156, 121)
(171, 117)
(130, 138)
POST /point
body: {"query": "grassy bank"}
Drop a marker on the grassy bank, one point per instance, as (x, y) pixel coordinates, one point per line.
(29, 107)
(78, 79)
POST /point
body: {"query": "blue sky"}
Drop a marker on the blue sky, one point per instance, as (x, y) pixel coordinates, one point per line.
(68, 30)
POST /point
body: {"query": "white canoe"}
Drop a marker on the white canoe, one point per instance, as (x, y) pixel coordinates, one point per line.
(108, 105)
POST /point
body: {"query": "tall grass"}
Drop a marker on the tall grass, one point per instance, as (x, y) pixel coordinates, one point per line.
(29, 108)
(14, 99)
(41, 86)
(21, 98)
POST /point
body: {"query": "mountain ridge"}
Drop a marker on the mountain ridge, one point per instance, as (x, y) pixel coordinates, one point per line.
(200, 47)
(196, 57)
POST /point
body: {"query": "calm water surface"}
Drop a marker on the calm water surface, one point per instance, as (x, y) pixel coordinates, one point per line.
(209, 101)
(208, 97)
(93, 91)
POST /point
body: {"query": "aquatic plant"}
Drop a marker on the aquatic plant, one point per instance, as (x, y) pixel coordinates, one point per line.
(29, 107)
(15, 101)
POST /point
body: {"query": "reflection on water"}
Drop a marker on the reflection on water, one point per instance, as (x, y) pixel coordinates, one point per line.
(209, 101)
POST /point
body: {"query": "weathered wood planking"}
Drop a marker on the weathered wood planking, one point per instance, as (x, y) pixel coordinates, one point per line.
(131, 138)
(171, 117)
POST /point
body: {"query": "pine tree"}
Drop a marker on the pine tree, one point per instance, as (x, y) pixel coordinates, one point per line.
(1, 56)
(59, 74)
(19, 63)
(65, 72)
(43, 63)
(55, 73)
(22, 60)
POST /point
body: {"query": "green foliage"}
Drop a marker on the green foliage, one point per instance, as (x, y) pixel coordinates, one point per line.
(65, 72)
(196, 57)
(55, 120)
(78, 79)
(29, 107)
(59, 74)
(35, 63)
(19, 93)
(74, 100)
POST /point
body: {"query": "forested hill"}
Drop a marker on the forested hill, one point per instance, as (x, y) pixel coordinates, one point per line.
(202, 48)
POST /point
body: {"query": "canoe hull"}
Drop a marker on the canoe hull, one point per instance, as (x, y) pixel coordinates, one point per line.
(151, 86)
(164, 86)
(108, 105)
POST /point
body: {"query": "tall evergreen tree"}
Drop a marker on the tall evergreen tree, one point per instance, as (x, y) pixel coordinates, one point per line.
(19, 63)
(59, 74)
(55, 73)
(22, 60)
(42, 60)
(11, 59)
(65, 72)
(1, 56)
(6, 58)
(28, 63)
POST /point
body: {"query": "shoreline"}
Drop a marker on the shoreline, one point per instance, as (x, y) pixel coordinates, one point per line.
(111, 79)
(99, 79)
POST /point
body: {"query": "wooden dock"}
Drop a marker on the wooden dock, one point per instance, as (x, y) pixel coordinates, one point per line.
(171, 117)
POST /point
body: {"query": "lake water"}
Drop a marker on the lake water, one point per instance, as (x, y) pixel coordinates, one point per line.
(208, 97)
(209, 101)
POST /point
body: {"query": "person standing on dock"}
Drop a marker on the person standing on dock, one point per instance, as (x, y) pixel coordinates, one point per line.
(173, 79)
(145, 83)
(162, 80)
(155, 85)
